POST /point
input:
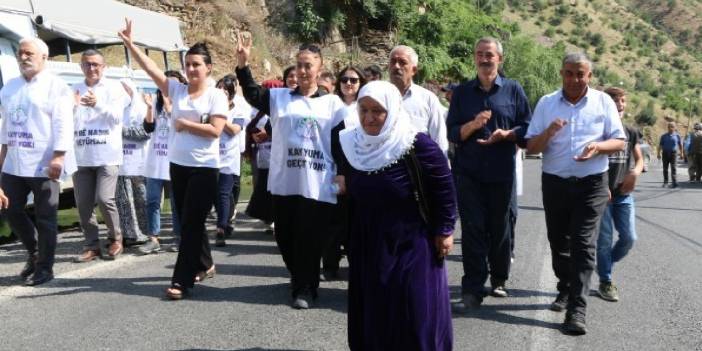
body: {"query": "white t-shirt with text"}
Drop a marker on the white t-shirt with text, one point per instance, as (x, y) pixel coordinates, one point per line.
(185, 148)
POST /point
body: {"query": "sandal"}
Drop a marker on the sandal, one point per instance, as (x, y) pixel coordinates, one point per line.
(210, 273)
(175, 292)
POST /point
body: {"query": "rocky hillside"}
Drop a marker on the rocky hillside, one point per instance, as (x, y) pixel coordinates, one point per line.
(652, 48)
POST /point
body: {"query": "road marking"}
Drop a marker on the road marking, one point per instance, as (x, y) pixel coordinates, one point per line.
(544, 339)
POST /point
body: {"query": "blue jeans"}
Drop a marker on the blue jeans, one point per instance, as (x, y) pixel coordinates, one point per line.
(619, 214)
(223, 204)
(153, 207)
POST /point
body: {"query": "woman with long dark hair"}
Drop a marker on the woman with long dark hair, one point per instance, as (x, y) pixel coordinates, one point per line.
(198, 117)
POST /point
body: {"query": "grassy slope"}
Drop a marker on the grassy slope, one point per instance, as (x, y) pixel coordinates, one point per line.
(616, 58)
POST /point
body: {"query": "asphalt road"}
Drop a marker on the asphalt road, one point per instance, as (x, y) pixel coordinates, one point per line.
(119, 305)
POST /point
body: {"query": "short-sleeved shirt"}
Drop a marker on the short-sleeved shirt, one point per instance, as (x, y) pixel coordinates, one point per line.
(621, 162)
(157, 162)
(188, 149)
(670, 142)
(230, 145)
(593, 118)
(37, 120)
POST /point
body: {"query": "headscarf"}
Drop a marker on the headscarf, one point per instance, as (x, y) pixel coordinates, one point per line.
(373, 152)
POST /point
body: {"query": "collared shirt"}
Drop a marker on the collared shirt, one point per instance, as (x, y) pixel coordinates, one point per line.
(37, 120)
(593, 118)
(427, 114)
(98, 129)
(510, 110)
(670, 142)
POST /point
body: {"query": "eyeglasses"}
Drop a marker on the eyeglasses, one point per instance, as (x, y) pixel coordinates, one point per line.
(350, 80)
(310, 47)
(88, 65)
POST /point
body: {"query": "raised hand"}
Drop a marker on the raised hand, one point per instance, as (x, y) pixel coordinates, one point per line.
(88, 99)
(148, 99)
(555, 126)
(495, 137)
(126, 33)
(482, 118)
(243, 49)
(589, 151)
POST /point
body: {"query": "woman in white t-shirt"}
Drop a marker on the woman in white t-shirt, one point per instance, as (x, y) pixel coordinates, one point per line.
(156, 168)
(230, 157)
(302, 175)
(198, 117)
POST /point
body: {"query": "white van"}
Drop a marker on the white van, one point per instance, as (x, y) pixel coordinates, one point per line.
(71, 26)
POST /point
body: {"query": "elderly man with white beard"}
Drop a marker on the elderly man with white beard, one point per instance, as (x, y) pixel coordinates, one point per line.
(36, 135)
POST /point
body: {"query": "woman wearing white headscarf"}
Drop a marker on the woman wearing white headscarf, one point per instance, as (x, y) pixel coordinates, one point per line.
(398, 291)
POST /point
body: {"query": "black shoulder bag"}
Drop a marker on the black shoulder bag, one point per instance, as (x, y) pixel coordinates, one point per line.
(417, 178)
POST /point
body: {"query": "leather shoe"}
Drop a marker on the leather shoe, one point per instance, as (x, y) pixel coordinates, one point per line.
(39, 277)
(114, 249)
(28, 267)
(87, 256)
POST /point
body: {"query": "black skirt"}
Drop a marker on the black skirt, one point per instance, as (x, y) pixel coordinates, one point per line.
(261, 204)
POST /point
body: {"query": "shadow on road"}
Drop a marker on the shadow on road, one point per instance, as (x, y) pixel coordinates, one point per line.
(154, 287)
(496, 313)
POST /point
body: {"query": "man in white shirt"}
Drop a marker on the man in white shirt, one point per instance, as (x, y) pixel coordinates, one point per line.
(423, 106)
(36, 134)
(98, 146)
(575, 127)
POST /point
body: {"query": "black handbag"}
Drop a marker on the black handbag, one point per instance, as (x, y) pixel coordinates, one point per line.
(417, 179)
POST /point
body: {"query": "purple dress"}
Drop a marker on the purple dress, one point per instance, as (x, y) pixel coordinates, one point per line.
(398, 291)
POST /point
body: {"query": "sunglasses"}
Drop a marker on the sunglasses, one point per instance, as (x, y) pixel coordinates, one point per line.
(310, 47)
(351, 80)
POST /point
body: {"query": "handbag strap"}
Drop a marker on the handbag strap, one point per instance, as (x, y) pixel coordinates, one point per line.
(416, 178)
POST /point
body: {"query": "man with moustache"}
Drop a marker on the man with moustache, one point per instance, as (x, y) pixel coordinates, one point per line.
(575, 128)
(423, 106)
(488, 116)
(36, 135)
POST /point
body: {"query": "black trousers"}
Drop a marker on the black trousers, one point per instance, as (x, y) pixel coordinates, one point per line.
(338, 235)
(194, 193)
(670, 159)
(302, 231)
(485, 240)
(39, 239)
(573, 209)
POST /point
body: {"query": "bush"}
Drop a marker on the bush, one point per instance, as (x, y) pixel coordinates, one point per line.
(647, 116)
